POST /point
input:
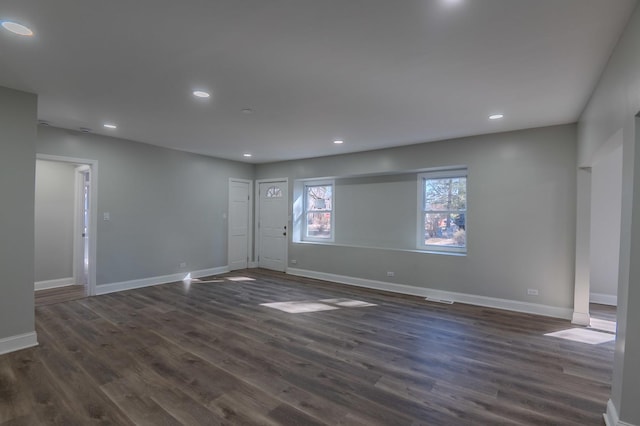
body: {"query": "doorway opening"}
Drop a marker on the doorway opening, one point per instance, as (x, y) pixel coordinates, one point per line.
(65, 225)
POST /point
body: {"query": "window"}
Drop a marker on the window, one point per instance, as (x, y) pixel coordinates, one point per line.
(318, 210)
(274, 192)
(442, 211)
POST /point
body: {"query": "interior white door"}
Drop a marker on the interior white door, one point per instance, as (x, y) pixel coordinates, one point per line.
(238, 249)
(272, 225)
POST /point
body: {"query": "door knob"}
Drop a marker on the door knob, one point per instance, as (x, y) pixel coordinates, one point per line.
(284, 233)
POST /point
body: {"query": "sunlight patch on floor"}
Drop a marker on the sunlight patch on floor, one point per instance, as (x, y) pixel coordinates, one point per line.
(316, 306)
(298, 307)
(347, 303)
(240, 279)
(583, 335)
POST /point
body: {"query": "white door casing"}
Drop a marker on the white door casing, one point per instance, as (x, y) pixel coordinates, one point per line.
(82, 225)
(273, 232)
(239, 240)
(92, 238)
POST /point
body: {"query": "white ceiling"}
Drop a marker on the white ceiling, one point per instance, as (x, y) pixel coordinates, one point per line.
(376, 73)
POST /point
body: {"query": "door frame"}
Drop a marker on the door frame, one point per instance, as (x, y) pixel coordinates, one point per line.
(250, 260)
(78, 239)
(257, 219)
(93, 214)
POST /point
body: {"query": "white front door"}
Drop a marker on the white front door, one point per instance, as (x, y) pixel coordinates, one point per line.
(272, 225)
(239, 203)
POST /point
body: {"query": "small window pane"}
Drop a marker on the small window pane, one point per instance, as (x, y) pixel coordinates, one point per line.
(319, 225)
(445, 229)
(444, 194)
(319, 198)
(274, 192)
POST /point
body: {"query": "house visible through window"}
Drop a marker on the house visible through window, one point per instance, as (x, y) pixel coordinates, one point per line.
(443, 211)
(318, 209)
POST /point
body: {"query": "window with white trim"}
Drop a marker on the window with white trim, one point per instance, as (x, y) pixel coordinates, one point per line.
(318, 211)
(442, 210)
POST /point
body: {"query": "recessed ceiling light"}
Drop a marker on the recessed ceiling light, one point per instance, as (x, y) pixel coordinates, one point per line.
(338, 142)
(247, 155)
(110, 126)
(496, 116)
(247, 111)
(200, 94)
(16, 28)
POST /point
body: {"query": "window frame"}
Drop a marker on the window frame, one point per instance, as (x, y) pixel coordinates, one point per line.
(458, 172)
(310, 184)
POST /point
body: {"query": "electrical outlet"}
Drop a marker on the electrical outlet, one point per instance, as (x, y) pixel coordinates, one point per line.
(391, 274)
(532, 291)
(294, 261)
(183, 264)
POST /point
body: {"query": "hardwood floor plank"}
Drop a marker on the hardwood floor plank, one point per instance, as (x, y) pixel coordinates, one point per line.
(287, 415)
(139, 406)
(13, 392)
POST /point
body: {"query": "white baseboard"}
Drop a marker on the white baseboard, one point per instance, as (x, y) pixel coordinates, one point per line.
(164, 279)
(18, 342)
(611, 417)
(60, 282)
(471, 299)
(604, 299)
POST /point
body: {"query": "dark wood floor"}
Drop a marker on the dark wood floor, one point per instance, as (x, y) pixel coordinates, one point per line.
(210, 354)
(603, 312)
(59, 294)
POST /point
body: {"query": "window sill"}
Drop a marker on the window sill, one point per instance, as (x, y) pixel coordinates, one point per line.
(322, 243)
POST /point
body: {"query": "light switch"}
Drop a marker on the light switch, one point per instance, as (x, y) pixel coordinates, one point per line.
(106, 216)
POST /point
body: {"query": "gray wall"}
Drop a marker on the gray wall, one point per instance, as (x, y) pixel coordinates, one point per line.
(521, 220)
(17, 178)
(606, 205)
(612, 107)
(166, 206)
(54, 220)
(376, 211)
